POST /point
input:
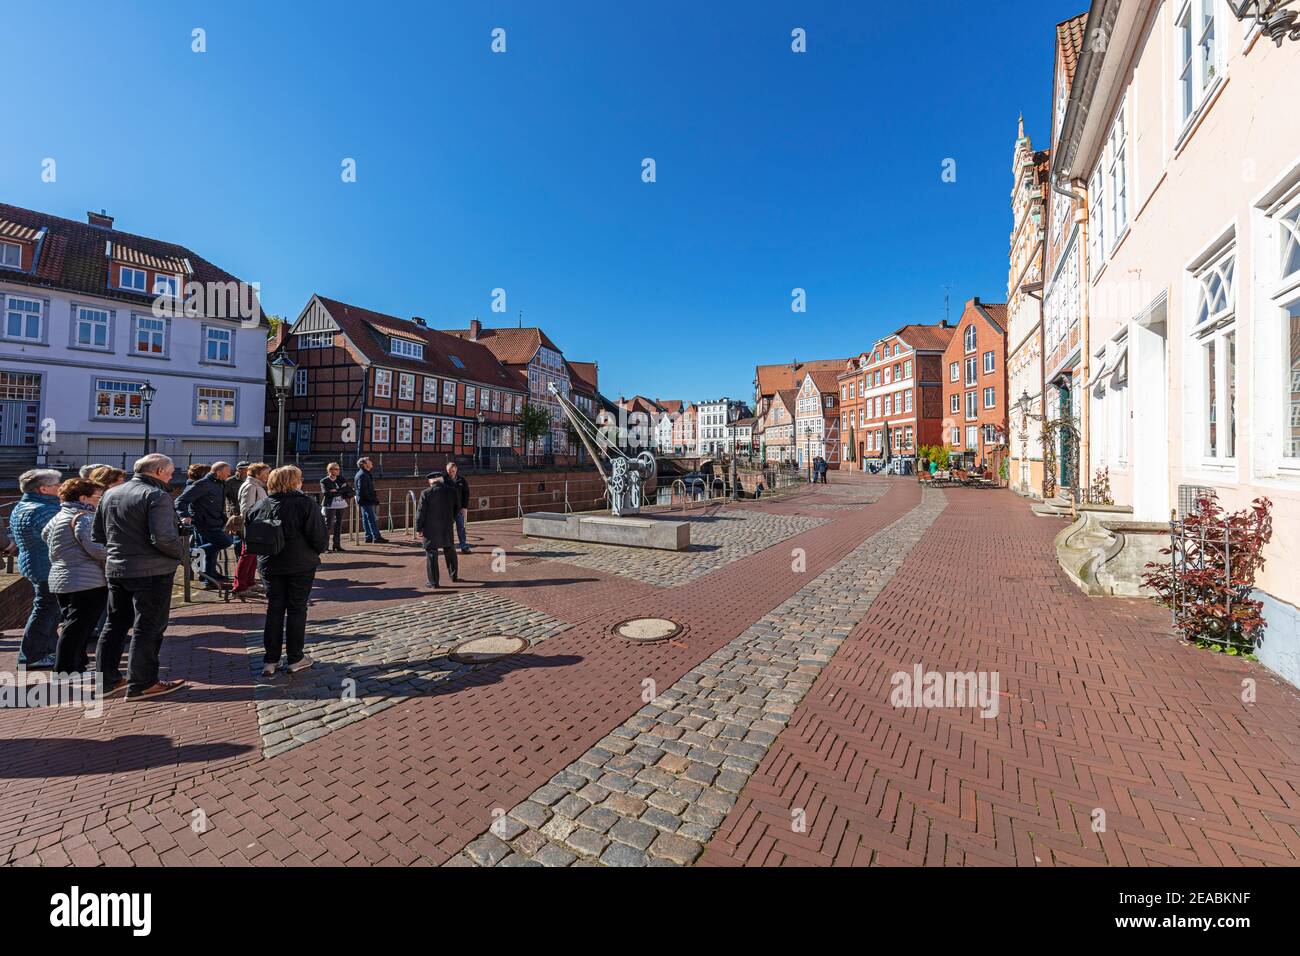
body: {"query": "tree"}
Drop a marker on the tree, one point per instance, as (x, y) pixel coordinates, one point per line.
(534, 422)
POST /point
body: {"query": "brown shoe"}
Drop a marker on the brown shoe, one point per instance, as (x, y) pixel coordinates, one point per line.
(114, 692)
(157, 690)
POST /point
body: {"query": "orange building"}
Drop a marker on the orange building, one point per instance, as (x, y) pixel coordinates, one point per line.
(975, 385)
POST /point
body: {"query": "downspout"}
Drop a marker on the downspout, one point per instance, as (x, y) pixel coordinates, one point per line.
(1078, 191)
(361, 424)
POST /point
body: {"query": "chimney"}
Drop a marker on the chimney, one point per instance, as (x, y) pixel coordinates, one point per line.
(475, 327)
(100, 220)
(419, 321)
(943, 323)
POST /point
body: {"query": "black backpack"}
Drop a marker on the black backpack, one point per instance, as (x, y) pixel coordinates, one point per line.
(263, 531)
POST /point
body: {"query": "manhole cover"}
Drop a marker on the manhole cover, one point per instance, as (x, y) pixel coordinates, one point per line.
(647, 629)
(481, 650)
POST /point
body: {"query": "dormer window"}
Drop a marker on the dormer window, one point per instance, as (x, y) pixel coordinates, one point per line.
(11, 255)
(406, 348)
(133, 280)
(164, 285)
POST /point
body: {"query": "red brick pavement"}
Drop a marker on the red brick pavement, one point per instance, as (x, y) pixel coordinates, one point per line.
(410, 785)
(1102, 709)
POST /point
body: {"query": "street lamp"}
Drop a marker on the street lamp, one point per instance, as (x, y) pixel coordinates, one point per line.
(282, 368)
(147, 394)
(479, 444)
(807, 434)
(1278, 23)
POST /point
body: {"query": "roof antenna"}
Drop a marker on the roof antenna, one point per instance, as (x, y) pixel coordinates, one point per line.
(521, 318)
(947, 308)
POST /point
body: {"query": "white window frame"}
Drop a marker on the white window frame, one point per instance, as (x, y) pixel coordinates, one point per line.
(377, 433)
(26, 313)
(972, 370)
(165, 284)
(428, 431)
(208, 338)
(136, 330)
(973, 437)
(1194, 72)
(404, 429)
(954, 371)
(206, 398)
(383, 383)
(79, 319)
(1214, 285)
(431, 389)
(448, 429)
(406, 386)
(990, 397)
(970, 339)
(449, 392)
(122, 273)
(133, 388)
(954, 403)
(972, 405)
(1097, 247)
(406, 348)
(18, 252)
(1117, 177)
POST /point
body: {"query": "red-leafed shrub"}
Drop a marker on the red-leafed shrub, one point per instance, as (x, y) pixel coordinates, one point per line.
(1214, 556)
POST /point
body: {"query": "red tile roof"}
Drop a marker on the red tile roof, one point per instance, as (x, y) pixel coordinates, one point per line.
(367, 329)
(997, 311)
(775, 378)
(73, 255)
(1069, 37)
(671, 405)
(926, 338)
(584, 377)
(514, 346)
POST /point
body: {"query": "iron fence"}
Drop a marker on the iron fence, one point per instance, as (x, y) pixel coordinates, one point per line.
(1201, 562)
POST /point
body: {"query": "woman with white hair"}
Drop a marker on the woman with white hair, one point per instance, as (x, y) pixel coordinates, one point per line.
(37, 508)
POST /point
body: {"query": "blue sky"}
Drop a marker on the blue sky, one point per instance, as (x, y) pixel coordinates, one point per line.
(522, 170)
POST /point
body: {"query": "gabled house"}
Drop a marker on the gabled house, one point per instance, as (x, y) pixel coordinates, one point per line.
(975, 387)
(89, 315)
(371, 384)
(774, 430)
(816, 424)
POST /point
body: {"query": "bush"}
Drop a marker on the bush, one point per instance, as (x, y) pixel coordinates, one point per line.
(1209, 588)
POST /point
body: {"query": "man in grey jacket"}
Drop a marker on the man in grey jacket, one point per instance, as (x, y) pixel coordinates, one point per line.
(137, 524)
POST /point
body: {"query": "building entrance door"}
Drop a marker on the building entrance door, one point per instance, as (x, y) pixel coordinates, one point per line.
(1149, 360)
(18, 423)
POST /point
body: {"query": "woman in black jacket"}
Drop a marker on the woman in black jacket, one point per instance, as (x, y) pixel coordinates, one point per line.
(436, 520)
(335, 493)
(290, 571)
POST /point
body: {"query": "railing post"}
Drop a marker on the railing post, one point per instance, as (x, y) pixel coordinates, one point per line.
(390, 509)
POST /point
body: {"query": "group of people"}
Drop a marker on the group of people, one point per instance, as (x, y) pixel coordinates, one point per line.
(101, 552)
(819, 468)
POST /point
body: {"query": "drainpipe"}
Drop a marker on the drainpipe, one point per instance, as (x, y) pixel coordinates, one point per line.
(1077, 190)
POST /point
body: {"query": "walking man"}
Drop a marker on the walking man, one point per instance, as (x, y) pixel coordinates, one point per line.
(458, 482)
(368, 501)
(137, 525)
(435, 519)
(37, 508)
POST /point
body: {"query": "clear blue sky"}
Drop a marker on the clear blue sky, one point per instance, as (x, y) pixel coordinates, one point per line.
(522, 170)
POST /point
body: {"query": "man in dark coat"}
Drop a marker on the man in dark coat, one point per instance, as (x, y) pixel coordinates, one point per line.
(462, 508)
(204, 504)
(368, 501)
(436, 520)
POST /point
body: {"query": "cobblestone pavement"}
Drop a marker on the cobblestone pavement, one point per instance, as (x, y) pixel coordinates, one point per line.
(366, 663)
(657, 787)
(716, 541)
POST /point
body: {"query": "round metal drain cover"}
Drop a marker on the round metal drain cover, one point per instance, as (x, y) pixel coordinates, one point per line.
(482, 650)
(647, 630)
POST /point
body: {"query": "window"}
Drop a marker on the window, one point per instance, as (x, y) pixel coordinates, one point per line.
(972, 436)
(164, 285)
(888, 377)
(907, 369)
(430, 390)
(403, 429)
(1291, 387)
(954, 403)
(448, 431)
(889, 405)
(383, 383)
(1117, 178)
(150, 336)
(218, 345)
(990, 362)
(214, 406)
(972, 405)
(11, 255)
(93, 329)
(989, 434)
(907, 400)
(406, 348)
(877, 376)
(405, 391)
(23, 319)
(844, 392)
(117, 399)
(1096, 224)
(315, 340)
(1197, 56)
(954, 372)
(971, 370)
(131, 279)
(449, 393)
(468, 430)
(470, 390)
(990, 398)
(1289, 231)
(379, 428)
(299, 383)
(851, 384)
(429, 431)
(956, 437)
(496, 402)
(968, 338)
(1214, 332)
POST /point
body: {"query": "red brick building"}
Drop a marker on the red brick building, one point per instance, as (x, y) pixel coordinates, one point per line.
(896, 386)
(370, 384)
(975, 385)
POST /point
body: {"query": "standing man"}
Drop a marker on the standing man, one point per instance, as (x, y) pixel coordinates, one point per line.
(435, 519)
(368, 501)
(233, 484)
(204, 503)
(462, 509)
(137, 524)
(37, 508)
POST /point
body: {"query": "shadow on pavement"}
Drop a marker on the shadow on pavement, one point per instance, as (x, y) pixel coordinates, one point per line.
(38, 757)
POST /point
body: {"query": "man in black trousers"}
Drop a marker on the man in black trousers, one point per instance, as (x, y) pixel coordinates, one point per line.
(436, 520)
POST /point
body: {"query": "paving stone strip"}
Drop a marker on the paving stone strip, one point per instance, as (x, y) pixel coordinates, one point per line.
(655, 789)
(716, 541)
(366, 663)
